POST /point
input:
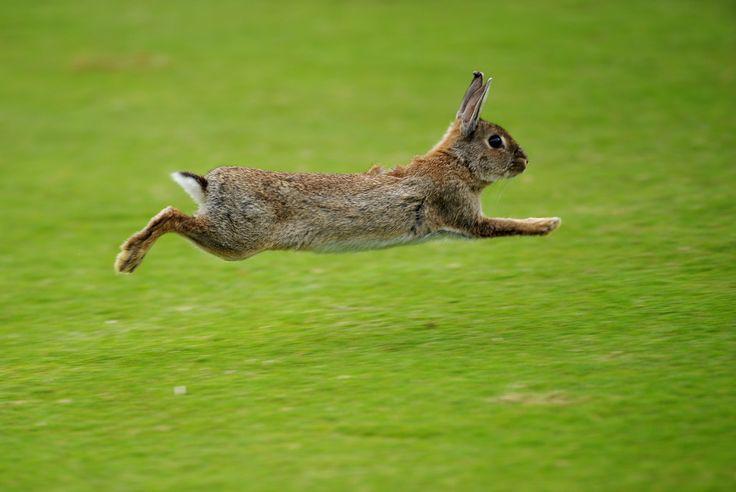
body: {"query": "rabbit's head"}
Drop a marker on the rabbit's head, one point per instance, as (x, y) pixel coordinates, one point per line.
(488, 151)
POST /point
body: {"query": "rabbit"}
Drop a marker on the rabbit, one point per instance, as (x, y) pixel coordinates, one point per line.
(244, 211)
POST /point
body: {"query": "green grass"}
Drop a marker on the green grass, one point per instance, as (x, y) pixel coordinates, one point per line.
(601, 357)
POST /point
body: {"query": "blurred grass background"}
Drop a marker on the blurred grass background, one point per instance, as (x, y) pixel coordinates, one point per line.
(601, 357)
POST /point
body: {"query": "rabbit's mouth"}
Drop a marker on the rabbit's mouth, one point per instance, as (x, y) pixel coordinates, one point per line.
(517, 167)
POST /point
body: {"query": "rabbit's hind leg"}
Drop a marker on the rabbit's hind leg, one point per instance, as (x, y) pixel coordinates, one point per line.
(169, 219)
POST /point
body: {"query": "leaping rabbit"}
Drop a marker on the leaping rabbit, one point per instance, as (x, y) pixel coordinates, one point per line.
(244, 211)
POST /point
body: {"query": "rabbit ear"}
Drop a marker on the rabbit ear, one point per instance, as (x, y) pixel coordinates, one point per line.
(475, 96)
(475, 84)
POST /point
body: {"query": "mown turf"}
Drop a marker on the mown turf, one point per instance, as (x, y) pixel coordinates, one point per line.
(601, 357)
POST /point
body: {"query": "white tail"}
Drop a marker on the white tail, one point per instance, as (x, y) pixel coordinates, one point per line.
(191, 185)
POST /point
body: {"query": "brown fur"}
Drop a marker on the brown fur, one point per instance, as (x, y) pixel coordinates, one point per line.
(246, 211)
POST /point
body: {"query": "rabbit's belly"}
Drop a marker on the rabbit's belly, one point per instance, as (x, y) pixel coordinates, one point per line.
(342, 246)
(360, 244)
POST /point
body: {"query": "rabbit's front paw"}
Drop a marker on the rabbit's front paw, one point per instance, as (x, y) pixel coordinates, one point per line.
(544, 225)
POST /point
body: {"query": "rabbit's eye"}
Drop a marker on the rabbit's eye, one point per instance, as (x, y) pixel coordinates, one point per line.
(495, 141)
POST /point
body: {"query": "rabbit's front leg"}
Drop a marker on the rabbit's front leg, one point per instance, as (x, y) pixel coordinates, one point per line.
(492, 227)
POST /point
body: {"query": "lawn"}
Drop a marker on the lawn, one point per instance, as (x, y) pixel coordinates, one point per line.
(602, 357)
